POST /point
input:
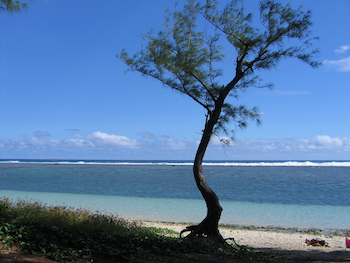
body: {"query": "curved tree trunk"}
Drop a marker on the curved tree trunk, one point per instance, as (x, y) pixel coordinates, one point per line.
(209, 225)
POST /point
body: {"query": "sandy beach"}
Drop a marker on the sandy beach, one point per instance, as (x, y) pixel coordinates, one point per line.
(286, 247)
(276, 245)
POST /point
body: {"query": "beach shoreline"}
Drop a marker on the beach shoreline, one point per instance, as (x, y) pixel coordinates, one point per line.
(290, 246)
(273, 244)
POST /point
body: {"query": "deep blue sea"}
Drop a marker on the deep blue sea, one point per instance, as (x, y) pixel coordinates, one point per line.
(306, 194)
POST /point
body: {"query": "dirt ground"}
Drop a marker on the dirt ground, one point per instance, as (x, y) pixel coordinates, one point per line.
(15, 255)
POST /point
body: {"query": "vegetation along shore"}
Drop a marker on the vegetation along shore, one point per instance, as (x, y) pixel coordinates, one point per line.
(33, 232)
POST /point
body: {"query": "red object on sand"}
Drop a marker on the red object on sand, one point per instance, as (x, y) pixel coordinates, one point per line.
(347, 242)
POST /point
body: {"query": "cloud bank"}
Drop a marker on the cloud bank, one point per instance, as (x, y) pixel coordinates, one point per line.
(110, 140)
(150, 146)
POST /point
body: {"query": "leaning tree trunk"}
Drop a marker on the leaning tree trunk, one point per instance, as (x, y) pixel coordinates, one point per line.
(209, 226)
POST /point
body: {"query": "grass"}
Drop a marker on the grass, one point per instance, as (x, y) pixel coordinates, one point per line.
(65, 234)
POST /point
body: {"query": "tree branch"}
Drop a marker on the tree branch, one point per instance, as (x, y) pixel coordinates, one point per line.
(200, 81)
(223, 31)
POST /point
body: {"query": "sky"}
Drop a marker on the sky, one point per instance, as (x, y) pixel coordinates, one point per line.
(65, 95)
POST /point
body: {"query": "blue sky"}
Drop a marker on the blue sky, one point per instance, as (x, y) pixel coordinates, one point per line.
(64, 94)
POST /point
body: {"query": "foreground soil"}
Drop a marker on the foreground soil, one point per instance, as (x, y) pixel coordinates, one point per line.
(15, 255)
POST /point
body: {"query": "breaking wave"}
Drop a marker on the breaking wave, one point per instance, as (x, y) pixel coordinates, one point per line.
(187, 163)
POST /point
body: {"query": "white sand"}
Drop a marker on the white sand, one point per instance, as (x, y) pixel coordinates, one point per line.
(277, 241)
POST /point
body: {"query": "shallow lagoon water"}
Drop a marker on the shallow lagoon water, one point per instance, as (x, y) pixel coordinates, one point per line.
(287, 195)
(193, 210)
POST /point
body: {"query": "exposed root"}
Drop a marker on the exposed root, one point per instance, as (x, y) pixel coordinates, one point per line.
(212, 235)
(191, 229)
(202, 230)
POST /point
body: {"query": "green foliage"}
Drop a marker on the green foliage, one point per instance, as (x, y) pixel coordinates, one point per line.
(12, 6)
(61, 233)
(9, 234)
(284, 33)
(187, 58)
(163, 231)
(64, 234)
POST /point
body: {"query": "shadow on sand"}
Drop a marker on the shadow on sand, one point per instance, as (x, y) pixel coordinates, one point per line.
(279, 255)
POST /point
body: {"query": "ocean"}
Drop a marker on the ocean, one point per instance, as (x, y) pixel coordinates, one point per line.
(297, 194)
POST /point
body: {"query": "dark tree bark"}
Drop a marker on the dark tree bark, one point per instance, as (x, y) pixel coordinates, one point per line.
(209, 226)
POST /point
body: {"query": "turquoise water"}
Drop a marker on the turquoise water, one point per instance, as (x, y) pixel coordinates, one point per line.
(287, 195)
(192, 210)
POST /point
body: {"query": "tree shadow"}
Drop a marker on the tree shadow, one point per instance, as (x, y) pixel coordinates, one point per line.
(282, 255)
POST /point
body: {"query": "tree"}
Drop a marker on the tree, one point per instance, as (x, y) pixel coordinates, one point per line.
(186, 58)
(11, 6)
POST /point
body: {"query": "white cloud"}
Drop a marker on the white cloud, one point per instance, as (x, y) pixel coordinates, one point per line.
(77, 143)
(89, 141)
(176, 144)
(219, 141)
(316, 147)
(105, 139)
(328, 142)
(39, 142)
(54, 143)
(342, 49)
(293, 146)
(45, 143)
(342, 65)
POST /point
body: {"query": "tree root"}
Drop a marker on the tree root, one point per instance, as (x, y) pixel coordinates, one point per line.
(212, 235)
(191, 229)
(202, 230)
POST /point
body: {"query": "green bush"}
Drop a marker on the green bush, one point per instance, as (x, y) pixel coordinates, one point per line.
(65, 234)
